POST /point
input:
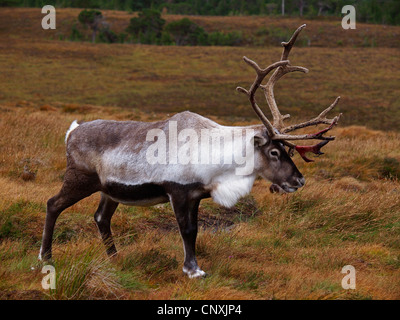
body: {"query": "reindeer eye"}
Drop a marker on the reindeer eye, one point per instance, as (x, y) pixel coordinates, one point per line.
(274, 153)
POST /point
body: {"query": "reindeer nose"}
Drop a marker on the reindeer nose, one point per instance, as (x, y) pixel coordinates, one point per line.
(301, 181)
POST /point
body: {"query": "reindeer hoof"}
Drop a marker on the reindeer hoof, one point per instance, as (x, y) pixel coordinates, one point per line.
(196, 273)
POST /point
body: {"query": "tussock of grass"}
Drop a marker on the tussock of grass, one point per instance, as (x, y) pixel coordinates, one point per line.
(85, 273)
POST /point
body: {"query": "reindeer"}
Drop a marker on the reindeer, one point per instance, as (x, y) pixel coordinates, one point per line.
(111, 157)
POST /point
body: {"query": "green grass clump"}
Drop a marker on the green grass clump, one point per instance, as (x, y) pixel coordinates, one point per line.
(84, 274)
(389, 168)
(150, 262)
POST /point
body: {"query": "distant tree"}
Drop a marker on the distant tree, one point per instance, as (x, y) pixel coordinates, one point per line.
(224, 39)
(180, 8)
(186, 32)
(271, 7)
(323, 5)
(8, 3)
(83, 4)
(106, 34)
(147, 27)
(301, 4)
(92, 19)
(222, 8)
(392, 12)
(76, 35)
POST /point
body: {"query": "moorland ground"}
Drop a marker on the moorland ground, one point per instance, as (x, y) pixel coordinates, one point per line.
(269, 246)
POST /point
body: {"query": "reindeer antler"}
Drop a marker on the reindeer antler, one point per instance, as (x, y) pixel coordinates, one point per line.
(277, 130)
(261, 74)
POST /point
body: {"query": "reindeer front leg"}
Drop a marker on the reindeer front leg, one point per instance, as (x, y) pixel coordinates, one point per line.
(186, 210)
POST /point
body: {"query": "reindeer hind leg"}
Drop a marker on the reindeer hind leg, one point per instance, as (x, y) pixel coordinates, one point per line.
(77, 186)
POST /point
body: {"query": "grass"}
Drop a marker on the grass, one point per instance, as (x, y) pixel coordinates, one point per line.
(269, 246)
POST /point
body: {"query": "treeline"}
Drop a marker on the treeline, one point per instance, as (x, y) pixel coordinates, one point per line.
(150, 28)
(370, 11)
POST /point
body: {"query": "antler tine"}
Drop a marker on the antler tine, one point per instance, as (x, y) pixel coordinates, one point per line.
(288, 45)
(318, 136)
(261, 74)
(268, 89)
(321, 118)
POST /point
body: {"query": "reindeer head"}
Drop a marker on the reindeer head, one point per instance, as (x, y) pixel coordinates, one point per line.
(273, 163)
(273, 159)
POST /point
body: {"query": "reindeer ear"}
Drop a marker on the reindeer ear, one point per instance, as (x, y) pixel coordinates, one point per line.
(259, 140)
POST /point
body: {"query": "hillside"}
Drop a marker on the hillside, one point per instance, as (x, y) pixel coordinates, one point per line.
(39, 69)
